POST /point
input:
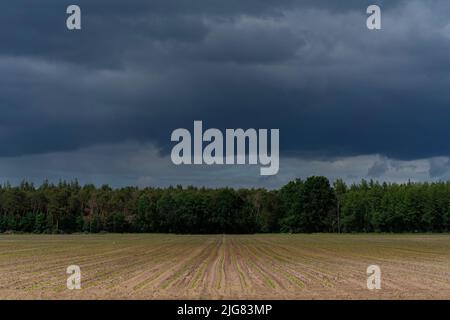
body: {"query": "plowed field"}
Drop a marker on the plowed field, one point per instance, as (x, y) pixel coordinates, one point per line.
(152, 266)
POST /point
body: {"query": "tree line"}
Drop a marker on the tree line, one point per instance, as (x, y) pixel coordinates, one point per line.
(301, 206)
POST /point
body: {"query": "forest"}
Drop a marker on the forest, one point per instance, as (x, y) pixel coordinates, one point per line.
(302, 206)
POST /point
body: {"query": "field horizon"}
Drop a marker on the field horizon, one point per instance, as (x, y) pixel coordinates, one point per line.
(260, 266)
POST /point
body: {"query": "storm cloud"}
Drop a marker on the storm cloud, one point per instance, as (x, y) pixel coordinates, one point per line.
(137, 71)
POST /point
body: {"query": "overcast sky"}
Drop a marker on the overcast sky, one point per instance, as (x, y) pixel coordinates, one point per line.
(100, 104)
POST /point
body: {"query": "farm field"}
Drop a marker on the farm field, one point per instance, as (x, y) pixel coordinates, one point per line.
(155, 266)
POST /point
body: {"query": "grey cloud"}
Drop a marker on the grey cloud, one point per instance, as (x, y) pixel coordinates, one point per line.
(439, 167)
(311, 68)
(379, 168)
(141, 164)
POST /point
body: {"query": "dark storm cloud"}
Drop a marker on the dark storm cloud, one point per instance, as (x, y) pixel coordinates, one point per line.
(139, 70)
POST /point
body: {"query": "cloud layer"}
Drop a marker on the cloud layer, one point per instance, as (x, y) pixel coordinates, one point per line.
(136, 72)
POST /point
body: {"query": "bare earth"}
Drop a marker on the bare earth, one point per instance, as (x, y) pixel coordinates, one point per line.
(155, 266)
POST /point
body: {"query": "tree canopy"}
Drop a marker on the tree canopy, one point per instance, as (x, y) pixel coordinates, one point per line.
(311, 205)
